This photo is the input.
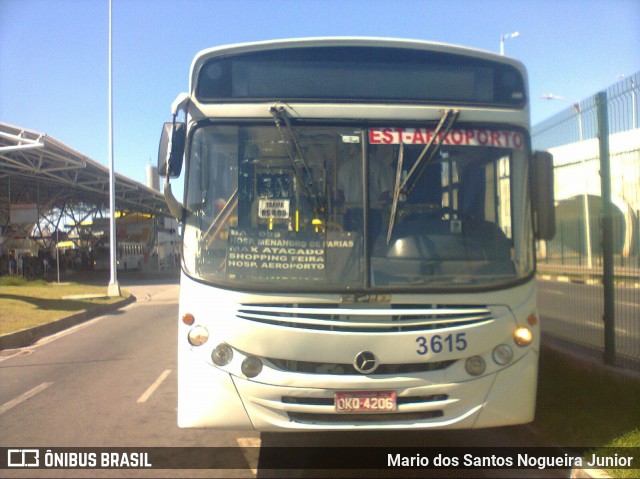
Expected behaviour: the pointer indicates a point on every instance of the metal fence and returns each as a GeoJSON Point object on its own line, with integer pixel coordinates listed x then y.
{"type": "Point", "coordinates": [589, 274]}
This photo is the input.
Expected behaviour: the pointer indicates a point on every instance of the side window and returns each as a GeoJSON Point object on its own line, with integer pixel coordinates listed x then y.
{"type": "Point", "coordinates": [504, 196]}
{"type": "Point", "coordinates": [213, 173]}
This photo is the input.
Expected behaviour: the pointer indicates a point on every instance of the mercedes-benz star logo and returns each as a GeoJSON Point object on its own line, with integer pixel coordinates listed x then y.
{"type": "Point", "coordinates": [365, 362]}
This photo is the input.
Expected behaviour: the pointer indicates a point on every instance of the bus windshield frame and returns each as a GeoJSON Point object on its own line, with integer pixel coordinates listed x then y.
{"type": "Point", "coordinates": [253, 225]}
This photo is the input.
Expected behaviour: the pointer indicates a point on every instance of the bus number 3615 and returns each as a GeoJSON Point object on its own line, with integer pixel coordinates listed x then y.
{"type": "Point", "coordinates": [440, 344]}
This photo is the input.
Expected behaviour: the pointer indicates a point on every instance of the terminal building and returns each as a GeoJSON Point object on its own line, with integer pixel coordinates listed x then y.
{"type": "Point", "coordinates": [54, 208]}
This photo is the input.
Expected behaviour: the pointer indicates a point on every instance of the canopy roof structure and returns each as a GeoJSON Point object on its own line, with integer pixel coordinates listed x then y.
{"type": "Point", "coordinates": [37, 169]}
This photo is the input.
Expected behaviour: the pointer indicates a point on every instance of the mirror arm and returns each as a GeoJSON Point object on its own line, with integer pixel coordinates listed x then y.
{"type": "Point", "coordinates": [180, 103]}
{"type": "Point", "coordinates": [175, 207]}
{"type": "Point", "coordinates": [170, 147]}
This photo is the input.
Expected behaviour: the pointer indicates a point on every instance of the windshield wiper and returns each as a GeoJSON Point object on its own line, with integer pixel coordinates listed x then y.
{"type": "Point", "coordinates": [406, 186]}
{"type": "Point", "coordinates": [222, 218]}
{"type": "Point", "coordinates": [298, 162]}
{"type": "Point", "coordinates": [396, 192]}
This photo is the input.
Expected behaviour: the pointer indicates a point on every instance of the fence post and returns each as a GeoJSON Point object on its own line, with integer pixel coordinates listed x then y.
{"type": "Point", "coordinates": [607, 231]}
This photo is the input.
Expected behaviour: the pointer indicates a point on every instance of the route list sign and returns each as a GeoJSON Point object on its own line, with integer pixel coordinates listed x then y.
{"type": "Point", "coordinates": [261, 254]}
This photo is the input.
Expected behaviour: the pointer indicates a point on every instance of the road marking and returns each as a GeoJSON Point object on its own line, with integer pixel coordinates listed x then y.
{"type": "Point", "coordinates": [65, 332]}
{"type": "Point", "coordinates": [147, 394]}
{"type": "Point", "coordinates": [11, 353]}
{"type": "Point", "coordinates": [249, 441]}
{"type": "Point", "coordinates": [23, 397]}
{"type": "Point", "coordinates": [252, 455]}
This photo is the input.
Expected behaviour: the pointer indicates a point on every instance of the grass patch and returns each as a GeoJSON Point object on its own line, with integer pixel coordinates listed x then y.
{"type": "Point", "coordinates": [583, 405]}
{"type": "Point", "coordinates": [620, 446]}
{"type": "Point", "coordinates": [25, 304]}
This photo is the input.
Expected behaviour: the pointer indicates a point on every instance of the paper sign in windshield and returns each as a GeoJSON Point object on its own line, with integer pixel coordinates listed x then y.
{"type": "Point", "coordinates": [462, 137]}
{"type": "Point", "coordinates": [270, 208]}
{"type": "Point", "coordinates": [286, 255]}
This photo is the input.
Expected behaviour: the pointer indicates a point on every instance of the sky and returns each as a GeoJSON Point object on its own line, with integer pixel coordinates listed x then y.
{"type": "Point", "coordinates": [54, 54]}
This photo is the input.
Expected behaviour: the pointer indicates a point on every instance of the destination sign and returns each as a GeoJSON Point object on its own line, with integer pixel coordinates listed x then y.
{"type": "Point", "coordinates": [461, 137]}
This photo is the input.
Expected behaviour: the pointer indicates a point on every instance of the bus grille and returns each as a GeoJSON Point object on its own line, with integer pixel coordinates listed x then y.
{"type": "Point", "coordinates": [348, 318]}
{"type": "Point", "coordinates": [313, 401]}
{"type": "Point", "coordinates": [427, 401]}
{"type": "Point", "coordinates": [309, 367]}
{"type": "Point", "coordinates": [397, 417]}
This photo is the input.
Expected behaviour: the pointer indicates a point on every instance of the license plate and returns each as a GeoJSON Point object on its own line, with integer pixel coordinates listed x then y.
{"type": "Point", "coordinates": [365, 401]}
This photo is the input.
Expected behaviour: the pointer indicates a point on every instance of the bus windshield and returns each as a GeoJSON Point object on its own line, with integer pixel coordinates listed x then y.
{"type": "Point", "coordinates": [308, 208]}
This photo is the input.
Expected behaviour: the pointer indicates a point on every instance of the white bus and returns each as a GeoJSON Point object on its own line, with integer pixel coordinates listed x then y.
{"type": "Point", "coordinates": [359, 220]}
{"type": "Point", "coordinates": [129, 255]}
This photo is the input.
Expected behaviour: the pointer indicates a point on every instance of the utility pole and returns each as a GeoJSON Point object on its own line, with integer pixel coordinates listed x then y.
{"type": "Point", "coordinates": [607, 232]}
{"type": "Point", "coordinates": [113, 288]}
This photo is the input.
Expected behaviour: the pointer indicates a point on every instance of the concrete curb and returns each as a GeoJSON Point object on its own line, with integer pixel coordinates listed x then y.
{"type": "Point", "coordinates": [589, 474]}
{"type": "Point", "coordinates": [27, 337]}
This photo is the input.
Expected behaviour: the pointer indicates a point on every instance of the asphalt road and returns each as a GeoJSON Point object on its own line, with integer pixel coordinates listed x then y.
{"type": "Point", "coordinates": [111, 382]}
{"type": "Point", "coordinates": [574, 311]}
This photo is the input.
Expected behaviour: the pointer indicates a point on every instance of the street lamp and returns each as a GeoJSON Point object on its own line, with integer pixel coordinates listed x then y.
{"type": "Point", "coordinates": [574, 105]}
{"type": "Point", "coordinates": [113, 289]}
{"type": "Point", "coordinates": [585, 196]}
{"type": "Point", "coordinates": [504, 37]}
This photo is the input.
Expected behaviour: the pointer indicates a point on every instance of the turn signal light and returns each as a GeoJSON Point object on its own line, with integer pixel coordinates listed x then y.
{"type": "Point", "coordinates": [188, 319]}
{"type": "Point", "coordinates": [523, 336]}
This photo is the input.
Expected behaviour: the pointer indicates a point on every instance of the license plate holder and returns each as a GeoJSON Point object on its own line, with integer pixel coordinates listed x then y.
{"type": "Point", "coordinates": [365, 402]}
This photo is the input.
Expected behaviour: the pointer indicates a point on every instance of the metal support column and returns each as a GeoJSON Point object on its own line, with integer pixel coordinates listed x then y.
{"type": "Point", "coordinates": [607, 231]}
{"type": "Point", "coordinates": [114, 288]}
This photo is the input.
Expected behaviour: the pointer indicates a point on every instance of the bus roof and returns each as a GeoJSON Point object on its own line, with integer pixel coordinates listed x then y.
{"type": "Point", "coordinates": [241, 48]}
{"type": "Point", "coordinates": [203, 104]}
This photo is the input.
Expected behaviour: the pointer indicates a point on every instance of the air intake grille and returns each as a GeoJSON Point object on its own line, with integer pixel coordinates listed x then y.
{"type": "Point", "coordinates": [398, 417]}
{"type": "Point", "coordinates": [311, 401]}
{"type": "Point", "coordinates": [308, 367]}
{"type": "Point", "coordinates": [339, 317]}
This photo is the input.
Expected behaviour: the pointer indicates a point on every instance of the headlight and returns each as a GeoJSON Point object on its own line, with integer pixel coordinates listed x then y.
{"type": "Point", "coordinates": [198, 335]}
{"type": "Point", "coordinates": [502, 354]}
{"type": "Point", "coordinates": [523, 336]}
{"type": "Point", "coordinates": [251, 367]}
{"type": "Point", "coordinates": [475, 366]}
{"type": "Point", "coordinates": [222, 354]}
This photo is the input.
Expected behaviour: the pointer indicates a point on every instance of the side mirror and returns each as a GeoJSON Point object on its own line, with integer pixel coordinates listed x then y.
{"type": "Point", "coordinates": [542, 195]}
{"type": "Point", "coordinates": [171, 149]}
